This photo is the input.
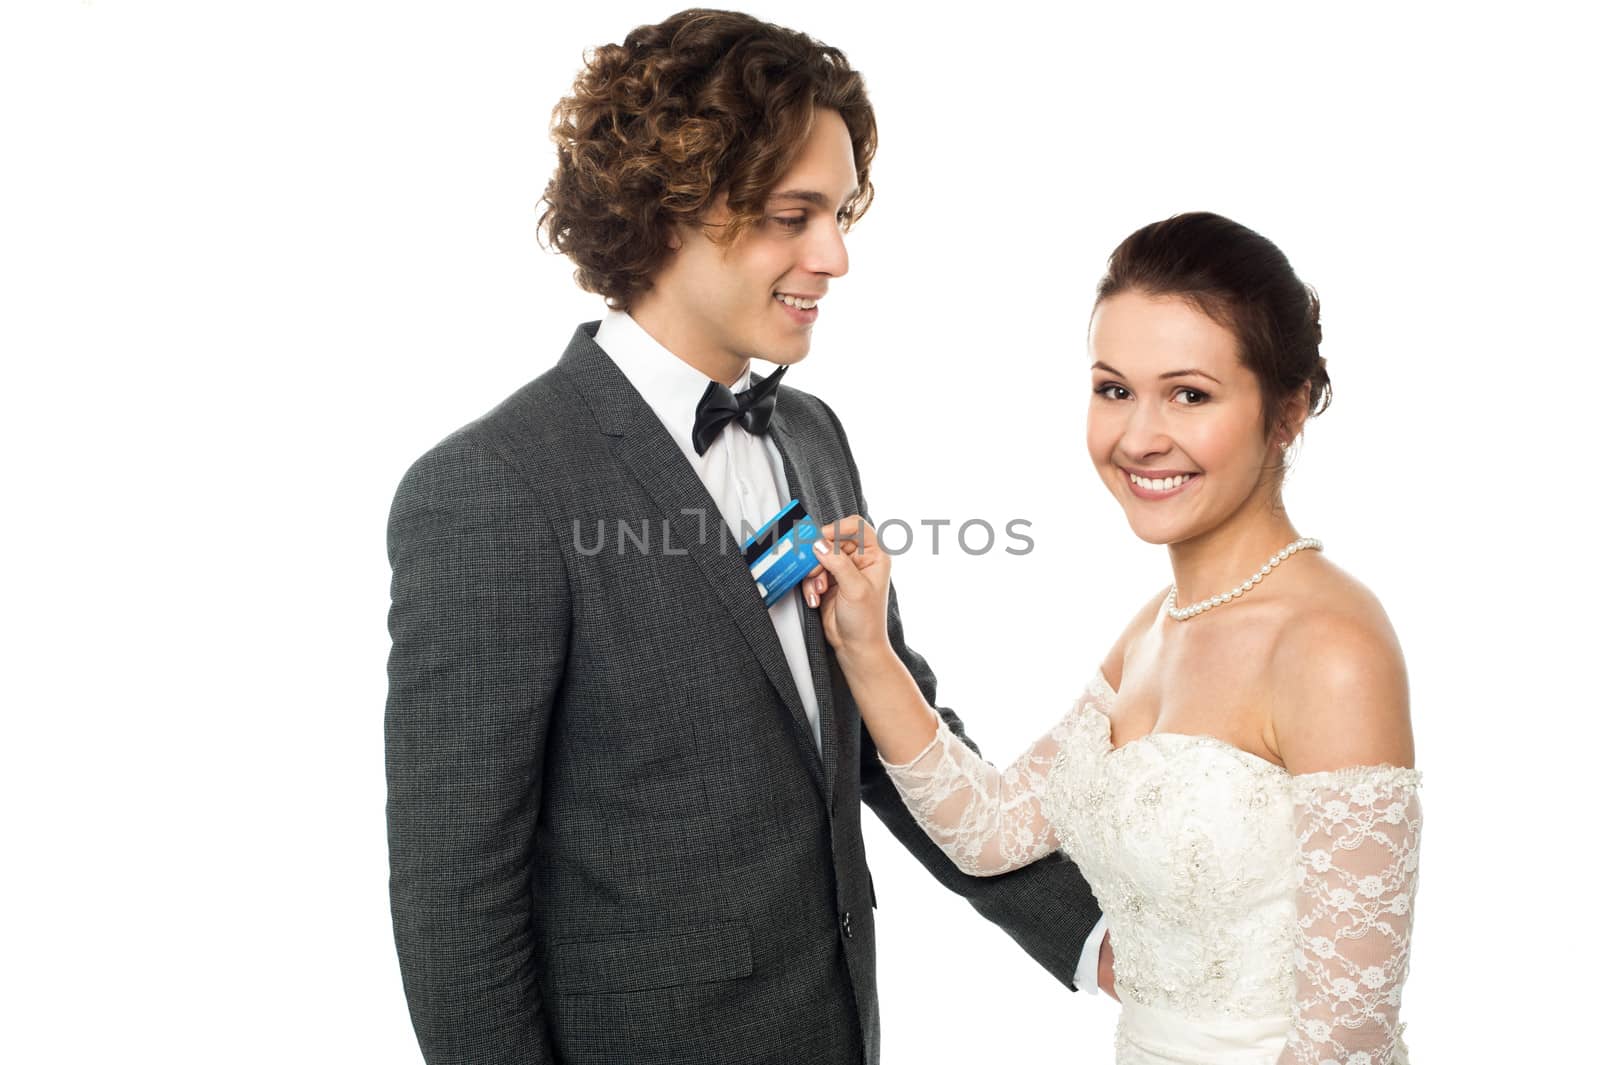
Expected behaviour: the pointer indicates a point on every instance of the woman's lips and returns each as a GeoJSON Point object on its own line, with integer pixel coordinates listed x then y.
{"type": "Point", "coordinates": [1156, 494]}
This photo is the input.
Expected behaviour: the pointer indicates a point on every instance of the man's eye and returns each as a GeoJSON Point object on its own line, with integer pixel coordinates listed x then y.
{"type": "Point", "coordinates": [790, 221]}
{"type": "Point", "coordinates": [1112, 390]}
{"type": "Point", "coordinates": [1199, 396]}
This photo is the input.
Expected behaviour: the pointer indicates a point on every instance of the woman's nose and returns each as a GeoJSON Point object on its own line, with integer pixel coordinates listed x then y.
{"type": "Point", "coordinates": [1145, 432]}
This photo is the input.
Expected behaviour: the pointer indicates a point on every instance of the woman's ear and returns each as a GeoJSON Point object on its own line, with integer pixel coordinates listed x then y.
{"type": "Point", "coordinates": [1295, 413]}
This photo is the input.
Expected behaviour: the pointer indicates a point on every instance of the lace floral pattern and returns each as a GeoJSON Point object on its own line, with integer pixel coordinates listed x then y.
{"type": "Point", "coordinates": [988, 822]}
{"type": "Point", "coordinates": [1357, 832]}
{"type": "Point", "coordinates": [1240, 899]}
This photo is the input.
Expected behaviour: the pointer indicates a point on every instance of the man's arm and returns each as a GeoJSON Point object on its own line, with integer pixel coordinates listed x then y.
{"type": "Point", "coordinates": [1046, 906]}
{"type": "Point", "coordinates": [478, 618]}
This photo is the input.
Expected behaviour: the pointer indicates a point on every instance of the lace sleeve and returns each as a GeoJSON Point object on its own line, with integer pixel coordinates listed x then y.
{"type": "Point", "coordinates": [989, 822]}
{"type": "Point", "coordinates": [1358, 832]}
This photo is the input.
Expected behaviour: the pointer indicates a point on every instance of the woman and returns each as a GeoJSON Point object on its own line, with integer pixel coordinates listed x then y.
{"type": "Point", "coordinates": [1236, 781]}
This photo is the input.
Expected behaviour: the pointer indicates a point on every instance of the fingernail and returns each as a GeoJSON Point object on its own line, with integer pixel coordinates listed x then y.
{"type": "Point", "coordinates": [811, 598]}
{"type": "Point", "coordinates": [821, 548]}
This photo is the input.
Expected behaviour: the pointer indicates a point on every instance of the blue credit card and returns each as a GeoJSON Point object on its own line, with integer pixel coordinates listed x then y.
{"type": "Point", "coordinates": [779, 554]}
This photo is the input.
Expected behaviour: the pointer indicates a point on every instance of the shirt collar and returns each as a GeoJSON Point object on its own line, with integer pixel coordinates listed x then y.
{"type": "Point", "coordinates": [671, 387]}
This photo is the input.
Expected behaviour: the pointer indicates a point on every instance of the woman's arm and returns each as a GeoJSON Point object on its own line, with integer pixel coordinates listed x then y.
{"type": "Point", "coordinates": [1345, 735]}
{"type": "Point", "coordinates": [987, 821]}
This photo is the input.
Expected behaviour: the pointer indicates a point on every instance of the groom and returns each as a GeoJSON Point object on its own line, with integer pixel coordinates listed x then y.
{"type": "Point", "coordinates": [624, 795]}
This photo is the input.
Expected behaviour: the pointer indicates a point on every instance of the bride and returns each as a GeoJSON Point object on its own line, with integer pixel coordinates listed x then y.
{"type": "Point", "coordinates": [1236, 780]}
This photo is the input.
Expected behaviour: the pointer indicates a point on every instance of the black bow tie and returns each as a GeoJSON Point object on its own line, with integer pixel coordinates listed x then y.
{"type": "Point", "coordinates": [719, 405]}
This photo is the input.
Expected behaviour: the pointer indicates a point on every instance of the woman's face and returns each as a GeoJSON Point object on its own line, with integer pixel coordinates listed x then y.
{"type": "Point", "coordinates": [1174, 417]}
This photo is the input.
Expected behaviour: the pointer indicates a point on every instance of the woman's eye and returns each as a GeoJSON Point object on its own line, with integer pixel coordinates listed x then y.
{"type": "Point", "coordinates": [790, 221]}
{"type": "Point", "coordinates": [1112, 390]}
{"type": "Point", "coordinates": [1197, 396]}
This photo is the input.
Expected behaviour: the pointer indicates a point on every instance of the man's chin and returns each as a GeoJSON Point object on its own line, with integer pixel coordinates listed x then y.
{"type": "Point", "coordinates": [786, 358]}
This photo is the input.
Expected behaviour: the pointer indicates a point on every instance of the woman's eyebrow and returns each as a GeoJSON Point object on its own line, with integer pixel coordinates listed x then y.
{"type": "Point", "coordinates": [1186, 373]}
{"type": "Point", "coordinates": [1170, 373]}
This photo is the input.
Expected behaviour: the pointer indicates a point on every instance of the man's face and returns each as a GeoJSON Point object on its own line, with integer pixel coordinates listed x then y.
{"type": "Point", "coordinates": [716, 306]}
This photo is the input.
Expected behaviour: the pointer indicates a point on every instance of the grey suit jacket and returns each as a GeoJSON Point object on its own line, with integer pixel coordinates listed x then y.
{"type": "Point", "coordinates": [612, 837]}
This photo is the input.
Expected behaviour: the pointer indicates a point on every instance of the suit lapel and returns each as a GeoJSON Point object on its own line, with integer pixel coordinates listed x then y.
{"type": "Point", "coordinates": [691, 515]}
{"type": "Point", "coordinates": [797, 470]}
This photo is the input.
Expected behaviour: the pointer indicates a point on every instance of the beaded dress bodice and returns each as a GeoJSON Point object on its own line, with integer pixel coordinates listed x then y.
{"type": "Point", "coordinates": [1189, 844]}
{"type": "Point", "coordinates": [1256, 916]}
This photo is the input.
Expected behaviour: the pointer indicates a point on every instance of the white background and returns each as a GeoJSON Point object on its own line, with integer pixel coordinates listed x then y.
{"type": "Point", "coordinates": [256, 258]}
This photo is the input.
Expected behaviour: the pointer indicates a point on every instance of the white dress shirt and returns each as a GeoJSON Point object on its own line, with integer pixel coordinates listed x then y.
{"type": "Point", "coordinates": [744, 474]}
{"type": "Point", "coordinates": [742, 471]}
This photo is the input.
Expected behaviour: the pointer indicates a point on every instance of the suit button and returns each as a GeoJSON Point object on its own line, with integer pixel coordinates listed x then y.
{"type": "Point", "coordinates": [844, 924]}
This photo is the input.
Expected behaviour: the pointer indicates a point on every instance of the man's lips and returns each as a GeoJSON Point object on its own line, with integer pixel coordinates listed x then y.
{"type": "Point", "coordinates": [803, 315]}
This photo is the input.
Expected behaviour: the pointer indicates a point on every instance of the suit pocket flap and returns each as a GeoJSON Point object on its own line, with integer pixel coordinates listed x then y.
{"type": "Point", "coordinates": [637, 961]}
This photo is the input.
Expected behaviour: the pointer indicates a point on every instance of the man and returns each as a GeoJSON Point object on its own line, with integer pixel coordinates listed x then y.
{"type": "Point", "coordinates": [624, 795]}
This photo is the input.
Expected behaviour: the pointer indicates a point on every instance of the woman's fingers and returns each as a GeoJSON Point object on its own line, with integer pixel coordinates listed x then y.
{"type": "Point", "coordinates": [847, 552]}
{"type": "Point", "coordinates": [815, 586]}
{"type": "Point", "coordinates": [842, 570]}
{"type": "Point", "coordinates": [851, 534]}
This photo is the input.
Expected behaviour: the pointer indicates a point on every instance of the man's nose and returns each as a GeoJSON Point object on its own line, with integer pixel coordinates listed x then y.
{"type": "Point", "coordinates": [826, 252]}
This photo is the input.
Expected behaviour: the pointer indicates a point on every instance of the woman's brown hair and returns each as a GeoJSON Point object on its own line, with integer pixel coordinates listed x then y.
{"type": "Point", "coordinates": [1243, 282]}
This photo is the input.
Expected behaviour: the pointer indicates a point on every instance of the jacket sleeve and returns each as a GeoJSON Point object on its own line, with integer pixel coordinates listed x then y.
{"type": "Point", "coordinates": [1046, 906]}
{"type": "Point", "coordinates": [478, 618]}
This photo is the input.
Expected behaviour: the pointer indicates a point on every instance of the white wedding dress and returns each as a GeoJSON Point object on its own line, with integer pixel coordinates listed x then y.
{"type": "Point", "coordinates": [1257, 917]}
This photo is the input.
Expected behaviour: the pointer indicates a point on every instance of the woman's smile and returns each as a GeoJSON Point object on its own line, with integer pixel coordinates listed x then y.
{"type": "Point", "coordinates": [1160, 484]}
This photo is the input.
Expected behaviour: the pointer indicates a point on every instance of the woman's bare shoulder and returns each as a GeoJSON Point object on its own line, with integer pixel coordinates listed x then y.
{"type": "Point", "coordinates": [1141, 624]}
{"type": "Point", "coordinates": [1342, 695]}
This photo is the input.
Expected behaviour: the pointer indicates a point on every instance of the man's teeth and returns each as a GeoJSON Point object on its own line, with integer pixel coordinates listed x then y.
{"type": "Point", "coordinates": [1164, 484]}
{"type": "Point", "coordinates": [796, 302]}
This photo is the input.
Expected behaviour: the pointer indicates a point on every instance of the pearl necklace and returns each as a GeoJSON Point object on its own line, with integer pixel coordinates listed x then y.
{"type": "Point", "coordinates": [1227, 597]}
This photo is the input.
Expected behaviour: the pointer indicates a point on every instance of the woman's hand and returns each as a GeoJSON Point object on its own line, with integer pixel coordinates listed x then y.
{"type": "Point", "coordinates": [855, 589]}
{"type": "Point", "coordinates": [1108, 969]}
{"type": "Point", "coordinates": [855, 617]}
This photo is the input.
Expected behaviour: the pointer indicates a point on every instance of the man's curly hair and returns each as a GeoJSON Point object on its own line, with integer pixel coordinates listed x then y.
{"type": "Point", "coordinates": [657, 127]}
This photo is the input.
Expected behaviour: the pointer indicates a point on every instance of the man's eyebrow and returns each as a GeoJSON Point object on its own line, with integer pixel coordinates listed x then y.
{"type": "Point", "coordinates": [810, 196]}
{"type": "Point", "coordinates": [1163, 377]}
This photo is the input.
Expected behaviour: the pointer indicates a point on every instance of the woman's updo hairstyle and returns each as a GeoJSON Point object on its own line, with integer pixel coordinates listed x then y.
{"type": "Point", "coordinates": [1241, 281]}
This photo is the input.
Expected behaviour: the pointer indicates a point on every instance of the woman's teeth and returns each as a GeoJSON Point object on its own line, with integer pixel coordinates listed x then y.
{"type": "Point", "coordinates": [796, 302]}
{"type": "Point", "coordinates": [1164, 484]}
